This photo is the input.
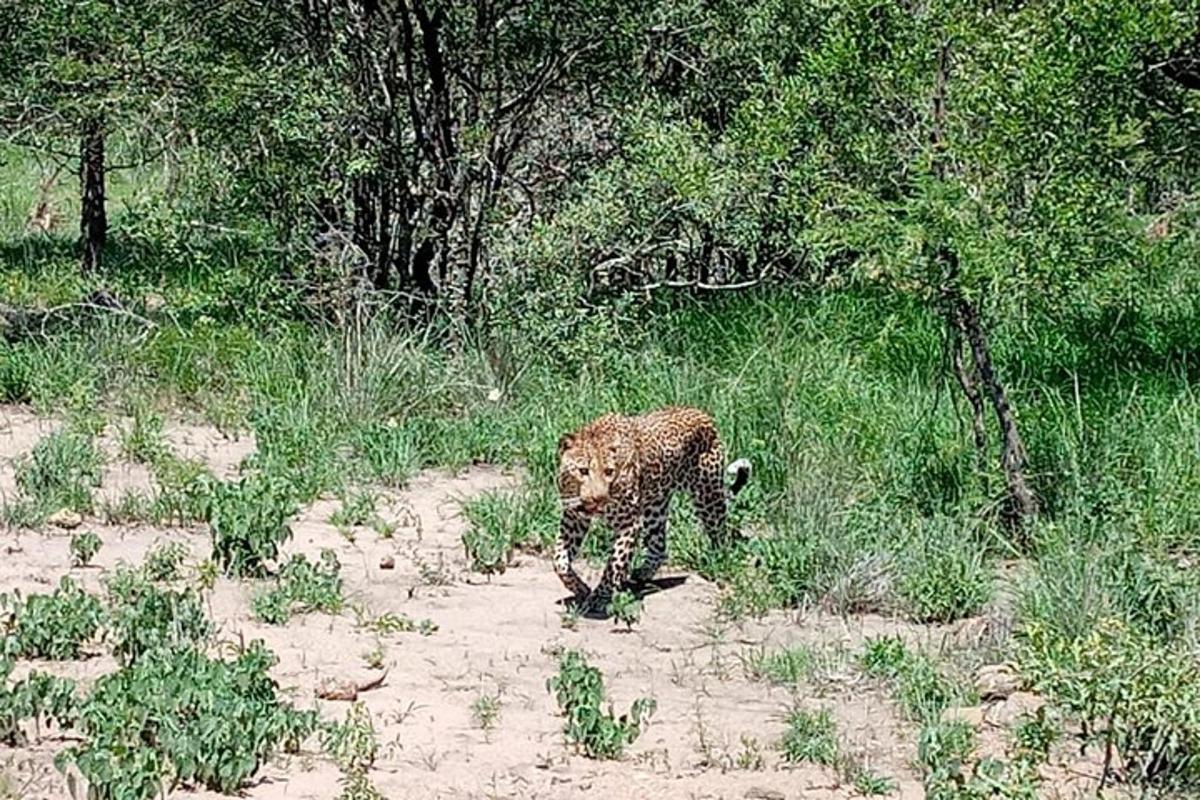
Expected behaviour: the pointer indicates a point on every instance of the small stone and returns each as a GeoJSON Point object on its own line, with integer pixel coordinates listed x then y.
{"type": "Point", "coordinates": [65, 518]}
{"type": "Point", "coordinates": [996, 681]}
{"type": "Point", "coordinates": [1008, 711]}
{"type": "Point", "coordinates": [154, 302]}
{"type": "Point", "coordinates": [387, 562]}
{"type": "Point", "coordinates": [972, 715]}
{"type": "Point", "coordinates": [759, 793]}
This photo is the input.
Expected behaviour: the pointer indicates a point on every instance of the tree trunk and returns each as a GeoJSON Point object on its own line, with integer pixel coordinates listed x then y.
{"type": "Point", "coordinates": [93, 219]}
{"type": "Point", "coordinates": [968, 381]}
{"type": "Point", "coordinates": [1020, 505]}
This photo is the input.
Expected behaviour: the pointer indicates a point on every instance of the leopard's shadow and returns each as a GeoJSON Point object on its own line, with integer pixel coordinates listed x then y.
{"type": "Point", "coordinates": [640, 591]}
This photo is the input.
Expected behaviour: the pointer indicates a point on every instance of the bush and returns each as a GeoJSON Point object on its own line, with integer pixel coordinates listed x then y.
{"type": "Point", "coordinates": [579, 689]}
{"type": "Point", "coordinates": [181, 715]}
{"type": "Point", "coordinates": [922, 691]}
{"type": "Point", "coordinates": [1135, 694]}
{"type": "Point", "coordinates": [943, 574]}
{"type": "Point", "coordinates": [61, 472]}
{"type": "Point", "coordinates": [302, 586]}
{"type": "Point", "coordinates": [144, 617]}
{"type": "Point", "coordinates": [54, 626]}
{"type": "Point", "coordinates": [810, 737]}
{"type": "Point", "coordinates": [500, 522]}
{"type": "Point", "coordinates": [36, 696]}
{"type": "Point", "coordinates": [248, 519]}
{"type": "Point", "coordinates": [84, 547]}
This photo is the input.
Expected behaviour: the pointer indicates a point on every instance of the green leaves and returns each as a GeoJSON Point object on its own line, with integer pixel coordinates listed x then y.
{"type": "Point", "coordinates": [142, 723]}
{"type": "Point", "coordinates": [302, 586]}
{"type": "Point", "coordinates": [54, 626]}
{"type": "Point", "coordinates": [579, 689]}
{"type": "Point", "coordinates": [248, 519]}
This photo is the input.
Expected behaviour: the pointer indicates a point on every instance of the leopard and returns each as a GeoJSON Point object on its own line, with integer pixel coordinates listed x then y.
{"type": "Point", "coordinates": [625, 470]}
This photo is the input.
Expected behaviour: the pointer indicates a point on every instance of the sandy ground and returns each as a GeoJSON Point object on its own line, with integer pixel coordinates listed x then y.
{"type": "Point", "coordinates": [498, 637]}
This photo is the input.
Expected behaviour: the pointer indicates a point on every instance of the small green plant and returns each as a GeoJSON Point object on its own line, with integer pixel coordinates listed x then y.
{"type": "Point", "coordinates": [138, 724]}
{"type": "Point", "coordinates": [37, 696]}
{"type": "Point", "coordinates": [579, 689]}
{"type": "Point", "coordinates": [946, 751]}
{"type": "Point", "coordinates": [357, 508]}
{"type": "Point", "coordinates": [1034, 735]}
{"type": "Point", "coordinates": [143, 441]}
{"type": "Point", "coordinates": [248, 519]}
{"type": "Point", "coordinates": [383, 529]}
{"type": "Point", "coordinates": [206, 574]}
{"type": "Point", "coordinates": [164, 560]}
{"type": "Point", "coordinates": [943, 746]}
{"type": "Point", "coordinates": [502, 522]}
{"type": "Point", "coordinates": [884, 657]}
{"type": "Point", "coordinates": [786, 667]}
{"type": "Point", "coordinates": [625, 608]}
{"type": "Point", "coordinates": [872, 784]}
{"type": "Point", "coordinates": [390, 622]}
{"type": "Point", "coordinates": [921, 689]}
{"type": "Point", "coordinates": [54, 626]}
{"type": "Point", "coordinates": [810, 737]}
{"type": "Point", "coordinates": [943, 575]}
{"type": "Point", "coordinates": [353, 746]}
{"type": "Point", "coordinates": [144, 617]}
{"type": "Point", "coordinates": [750, 757]}
{"type": "Point", "coordinates": [486, 711]}
{"type": "Point", "coordinates": [84, 547]}
{"type": "Point", "coordinates": [388, 453]}
{"type": "Point", "coordinates": [60, 473]}
{"type": "Point", "coordinates": [302, 587]}
{"type": "Point", "coordinates": [569, 617]}
{"type": "Point", "coordinates": [374, 658]}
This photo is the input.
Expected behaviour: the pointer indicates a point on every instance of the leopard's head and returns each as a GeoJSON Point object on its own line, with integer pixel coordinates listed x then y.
{"type": "Point", "coordinates": [592, 468]}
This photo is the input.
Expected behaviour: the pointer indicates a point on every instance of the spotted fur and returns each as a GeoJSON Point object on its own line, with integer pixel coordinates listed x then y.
{"type": "Point", "coordinates": [625, 470]}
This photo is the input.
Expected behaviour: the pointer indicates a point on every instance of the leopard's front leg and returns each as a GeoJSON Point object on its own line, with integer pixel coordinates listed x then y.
{"type": "Point", "coordinates": [628, 532]}
{"type": "Point", "coordinates": [573, 527]}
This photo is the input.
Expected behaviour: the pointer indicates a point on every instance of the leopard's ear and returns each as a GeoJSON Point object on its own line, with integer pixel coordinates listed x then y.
{"type": "Point", "coordinates": [565, 441]}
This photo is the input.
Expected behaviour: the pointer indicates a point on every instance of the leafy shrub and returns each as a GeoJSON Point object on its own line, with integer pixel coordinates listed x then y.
{"type": "Point", "coordinates": [144, 617]}
{"type": "Point", "coordinates": [357, 509]}
{"type": "Point", "coordinates": [884, 657]}
{"type": "Point", "coordinates": [579, 689]}
{"type": "Point", "coordinates": [248, 519]}
{"type": "Point", "coordinates": [163, 561]}
{"type": "Point", "coordinates": [810, 737]}
{"type": "Point", "coordinates": [61, 472]}
{"type": "Point", "coordinates": [36, 696]}
{"type": "Point", "coordinates": [84, 547]}
{"type": "Point", "coordinates": [353, 746]}
{"type": "Point", "coordinates": [1137, 695]}
{"type": "Point", "coordinates": [390, 622]}
{"type": "Point", "coordinates": [143, 442]}
{"type": "Point", "coordinates": [943, 575]}
{"type": "Point", "coordinates": [388, 453]}
{"type": "Point", "coordinates": [303, 587]}
{"type": "Point", "coordinates": [53, 626]}
{"type": "Point", "coordinates": [946, 751]}
{"type": "Point", "coordinates": [181, 715]}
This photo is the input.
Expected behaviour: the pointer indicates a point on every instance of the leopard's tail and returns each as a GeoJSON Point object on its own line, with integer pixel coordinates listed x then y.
{"type": "Point", "coordinates": [740, 470]}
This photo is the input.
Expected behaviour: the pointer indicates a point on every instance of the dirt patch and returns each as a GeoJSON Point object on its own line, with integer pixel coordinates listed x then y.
{"type": "Point", "coordinates": [494, 637]}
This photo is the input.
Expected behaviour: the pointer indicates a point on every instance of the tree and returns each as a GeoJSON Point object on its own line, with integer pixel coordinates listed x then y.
{"type": "Point", "coordinates": [98, 73]}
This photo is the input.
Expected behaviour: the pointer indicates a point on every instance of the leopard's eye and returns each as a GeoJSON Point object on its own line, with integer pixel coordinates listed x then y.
{"type": "Point", "coordinates": [609, 472]}
{"type": "Point", "coordinates": [583, 471]}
